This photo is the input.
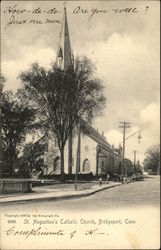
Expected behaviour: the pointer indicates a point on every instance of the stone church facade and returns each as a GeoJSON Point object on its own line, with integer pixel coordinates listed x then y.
{"type": "Point", "coordinates": [96, 156]}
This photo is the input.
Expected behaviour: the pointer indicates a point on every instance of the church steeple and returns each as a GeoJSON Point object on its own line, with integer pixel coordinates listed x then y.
{"type": "Point", "coordinates": [64, 54]}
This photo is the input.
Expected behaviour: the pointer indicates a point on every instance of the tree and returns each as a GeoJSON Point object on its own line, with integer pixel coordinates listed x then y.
{"type": "Point", "coordinates": [129, 167]}
{"type": "Point", "coordinates": [16, 121]}
{"type": "Point", "coordinates": [27, 161]}
{"type": "Point", "coordinates": [138, 168]}
{"type": "Point", "coordinates": [31, 155]}
{"type": "Point", "coordinates": [2, 81]}
{"type": "Point", "coordinates": [152, 159]}
{"type": "Point", "coordinates": [62, 97]}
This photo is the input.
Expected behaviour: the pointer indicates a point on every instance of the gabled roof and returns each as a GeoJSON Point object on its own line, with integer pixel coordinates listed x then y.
{"type": "Point", "coordinates": [93, 134]}
{"type": "Point", "coordinates": [97, 137]}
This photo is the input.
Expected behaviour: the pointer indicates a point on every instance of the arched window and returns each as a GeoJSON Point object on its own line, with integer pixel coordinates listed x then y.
{"type": "Point", "coordinates": [86, 166]}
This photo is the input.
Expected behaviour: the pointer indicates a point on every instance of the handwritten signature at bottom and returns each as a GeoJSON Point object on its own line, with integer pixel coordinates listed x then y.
{"type": "Point", "coordinates": [44, 232]}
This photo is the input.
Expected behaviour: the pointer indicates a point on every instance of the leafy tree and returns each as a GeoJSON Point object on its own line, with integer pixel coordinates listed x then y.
{"type": "Point", "coordinates": [129, 167]}
{"type": "Point", "coordinates": [138, 168]}
{"type": "Point", "coordinates": [16, 121]}
{"type": "Point", "coordinates": [62, 97]}
{"type": "Point", "coordinates": [30, 159]}
{"type": "Point", "coordinates": [2, 81]}
{"type": "Point", "coordinates": [27, 161]}
{"type": "Point", "coordinates": [152, 159]}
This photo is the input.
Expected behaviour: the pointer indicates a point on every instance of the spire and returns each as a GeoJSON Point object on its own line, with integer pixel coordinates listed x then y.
{"type": "Point", "coordinates": [64, 54]}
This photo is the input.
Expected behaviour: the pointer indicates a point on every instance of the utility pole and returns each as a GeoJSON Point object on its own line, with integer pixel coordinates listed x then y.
{"type": "Point", "coordinates": [124, 125]}
{"type": "Point", "coordinates": [78, 155]}
{"type": "Point", "coordinates": [135, 157]}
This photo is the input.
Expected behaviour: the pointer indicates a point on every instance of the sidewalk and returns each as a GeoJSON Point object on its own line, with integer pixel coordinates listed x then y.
{"type": "Point", "coordinates": [58, 192]}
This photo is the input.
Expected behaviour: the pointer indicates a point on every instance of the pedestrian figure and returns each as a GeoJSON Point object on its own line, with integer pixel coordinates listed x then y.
{"type": "Point", "coordinates": [108, 178]}
{"type": "Point", "coordinates": [124, 179]}
{"type": "Point", "coordinates": [100, 181]}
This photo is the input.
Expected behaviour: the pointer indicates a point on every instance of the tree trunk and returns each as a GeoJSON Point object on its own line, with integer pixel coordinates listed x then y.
{"type": "Point", "coordinates": [70, 153]}
{"type": "Point", "coordinates": [62, 163]}
{"type": "Point", "coordinates": [10, 160]}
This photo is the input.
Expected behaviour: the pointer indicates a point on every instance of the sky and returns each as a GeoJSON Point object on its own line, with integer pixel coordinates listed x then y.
{"type": "Point", "coordinates": [122, 39]}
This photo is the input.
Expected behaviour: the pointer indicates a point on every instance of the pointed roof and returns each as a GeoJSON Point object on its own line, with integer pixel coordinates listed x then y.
{"type": "Point", "coordinates": [64, 54]}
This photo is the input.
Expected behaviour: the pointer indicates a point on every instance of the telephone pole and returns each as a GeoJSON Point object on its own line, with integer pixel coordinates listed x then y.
{"type": "Point", "coordinates": [124, 125]}
{"type": "Point", "coordinates": [135, 157]}
{"type": "Point", "coordinates": [78, 155]}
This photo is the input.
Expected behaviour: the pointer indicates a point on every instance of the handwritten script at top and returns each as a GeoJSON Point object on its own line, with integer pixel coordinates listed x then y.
{"type": "Point", "coordinates": [17, 15]}
{"type": "Point", "coordinates": [95, 11]}
{"type": "Point", "coordinates": [21, 16]}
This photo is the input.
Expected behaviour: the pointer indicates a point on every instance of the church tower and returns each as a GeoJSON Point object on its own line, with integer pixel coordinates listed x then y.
{"type": "Point", "coordinates": [64, 58]}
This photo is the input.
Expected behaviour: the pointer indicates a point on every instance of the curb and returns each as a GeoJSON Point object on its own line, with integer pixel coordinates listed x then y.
{"type": "Point", "coordinates": [63, 197]}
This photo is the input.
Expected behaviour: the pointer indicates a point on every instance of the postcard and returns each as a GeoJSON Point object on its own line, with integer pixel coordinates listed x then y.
{"type": "Point", "coordinates": [79, 166]}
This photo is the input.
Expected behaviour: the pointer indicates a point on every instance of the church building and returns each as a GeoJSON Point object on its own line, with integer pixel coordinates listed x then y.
{"type": "Point", "coordinates": [96, 156]}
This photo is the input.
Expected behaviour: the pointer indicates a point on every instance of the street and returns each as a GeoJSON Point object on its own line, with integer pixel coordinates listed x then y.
{"type": "Point", "coordinates": [139, 193]}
